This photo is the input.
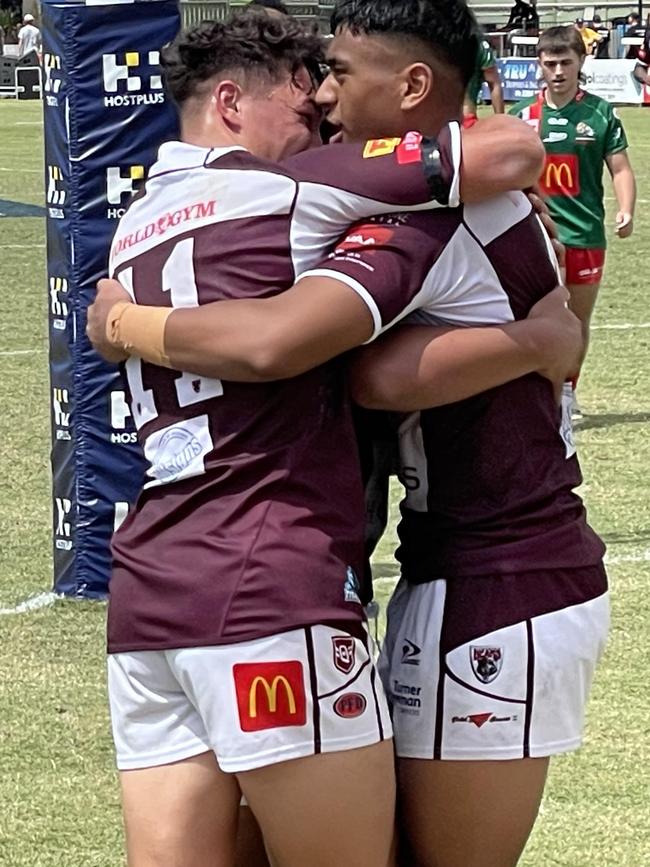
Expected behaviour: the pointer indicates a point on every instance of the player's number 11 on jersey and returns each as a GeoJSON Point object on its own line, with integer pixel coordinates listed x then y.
{"type": "Point", "coordinates": [178, 279]}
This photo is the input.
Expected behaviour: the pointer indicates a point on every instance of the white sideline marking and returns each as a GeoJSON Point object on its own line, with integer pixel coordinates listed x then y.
{"type": "Point", "coordinates": [22, 171]}
{"type": "Point", "coordinates": [643, 557]}
{"type": "Point", "coordinates": [43, 600]}
{"type": "Point", "coordinates": [33, 603]}
{"type": "Point", "coordinates": [620, 326]}
{"type": "Point", "coordinates": [21, 246]}
{"type": "Point", "coordinates": [638, 201]}
{"type": "Point", "coordinates": [613, 326]}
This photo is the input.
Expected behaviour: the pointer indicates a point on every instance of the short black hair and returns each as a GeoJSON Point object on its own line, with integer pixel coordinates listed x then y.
{"type": "Point", "coordinates": [278, 5]}
{"type": "Point", "coordinates": [447, 27]}
{"type": "Point", "coordinates": [250, 43]}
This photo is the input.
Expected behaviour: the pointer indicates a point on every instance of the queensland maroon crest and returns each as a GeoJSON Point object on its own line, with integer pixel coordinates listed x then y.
{"type": "Point", "coordinates": [344, 653]}
{"type": "Point", "coordinates": [486, 662]}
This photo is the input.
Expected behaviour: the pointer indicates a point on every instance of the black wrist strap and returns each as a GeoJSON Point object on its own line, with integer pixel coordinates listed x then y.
{"type": "Point", "coordinates": [437, 162]}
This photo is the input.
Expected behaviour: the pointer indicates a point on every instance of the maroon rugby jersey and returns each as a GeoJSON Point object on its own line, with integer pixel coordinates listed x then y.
{"type": "Point", "coordinates": [251, 521]}
{"type": "Point", "coordinates": [489, 480]}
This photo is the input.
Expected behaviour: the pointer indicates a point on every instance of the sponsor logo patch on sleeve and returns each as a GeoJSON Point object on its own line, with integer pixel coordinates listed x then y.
{"type": "Point", "coordinates": [409, 150]}
{"type": "Point", "coordinates": [379, 147]}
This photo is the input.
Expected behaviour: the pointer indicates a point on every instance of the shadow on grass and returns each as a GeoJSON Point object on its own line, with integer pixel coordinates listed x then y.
{"type": "Point", "coordinates": [593, 422]}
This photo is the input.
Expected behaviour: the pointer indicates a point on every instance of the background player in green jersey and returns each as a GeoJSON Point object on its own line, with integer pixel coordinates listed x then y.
{"type": "Point", "coordinates": [579, 131]}
{"type": "Point", "coordinates": [485, 70]}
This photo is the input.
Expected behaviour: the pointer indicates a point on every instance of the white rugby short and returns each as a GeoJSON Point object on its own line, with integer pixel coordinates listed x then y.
{"type": "Point", "coordinates": [459, 690]}
{"type": "Point", "coordinates": [307, 691]}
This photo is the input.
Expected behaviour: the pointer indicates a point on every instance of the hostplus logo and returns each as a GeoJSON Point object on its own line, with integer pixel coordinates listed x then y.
{"type": "Point", "coordinates": [56, 192]}
{"type": "Point", "coordinates": [121, 184]}
{"type": "Point", "coordinates": [61, 412]}
{"type": "Point", "coordinates": [53, 78]}
{"type": "Point", "coordinates": [132, 79]}
{"type": "Point", "coordinates": [58, 302]}
{"type": "Point", "coordinates": [63, 530]}
{"type": "Point", "coordinates": [120, 412]}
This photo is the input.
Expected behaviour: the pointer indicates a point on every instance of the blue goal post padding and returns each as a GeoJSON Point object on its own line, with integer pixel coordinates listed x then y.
{"type": "Point", "coordinates": [105, 113]}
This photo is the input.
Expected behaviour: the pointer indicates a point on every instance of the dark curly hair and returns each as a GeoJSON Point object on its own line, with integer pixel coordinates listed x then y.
{"type": "Point", "coordinates": [251, 44]}
{"type": "Point", "coordinates": [446, 27]}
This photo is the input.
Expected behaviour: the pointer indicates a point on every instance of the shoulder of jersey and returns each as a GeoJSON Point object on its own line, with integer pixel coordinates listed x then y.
{"type": "Point", "coordinates": [521, 105]}
{"type": "Point", "coordinates": [600, 106]}
{"type": "Point", "coordinates": [594, 101]}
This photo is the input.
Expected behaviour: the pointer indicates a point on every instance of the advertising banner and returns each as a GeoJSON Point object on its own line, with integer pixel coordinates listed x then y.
{"type": "Point", "coordinates": [612, 80]}
{"type": "Point", "coordinates": [519, 77]}
{"type": "Point", "coordinates": [105, 113]}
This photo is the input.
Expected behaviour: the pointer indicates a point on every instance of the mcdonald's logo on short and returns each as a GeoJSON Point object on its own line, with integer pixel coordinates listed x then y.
{"type": "Point", "coordinates": [379, 147]}
{"type": "Point", "coordinates": [270, 695]}
{"type": "Point", "coordinates": [561, 175]}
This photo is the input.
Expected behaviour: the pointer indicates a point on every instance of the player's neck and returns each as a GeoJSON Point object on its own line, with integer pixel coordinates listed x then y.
{"type": "Point", "coordinates": [430, 119]}
{"type": "Point", "coordinates": [559, 100]}
{"type": "Point", "coordinates": [202, 131]}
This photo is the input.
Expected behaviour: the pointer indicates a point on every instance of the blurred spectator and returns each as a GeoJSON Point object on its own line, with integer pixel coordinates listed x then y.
{"type": "Point", "coordinates": [29, 36]}
{"type": "Point", "coordinates": [523, 16]}
{"type": "Point", "coordinates": [634, 28]}
{"type": "Point", "coordinates": [641, 70]}
{"type": "Point", "coordinates": [523, 19]}
{"type": "Point", "coordinates": [602, 49]}
{"type": "Point", "coordinates": [590, 38]}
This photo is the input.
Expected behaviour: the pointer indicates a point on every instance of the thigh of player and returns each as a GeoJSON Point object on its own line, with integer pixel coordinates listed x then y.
{"type": "Point", "coordinates": [584, 274]}
{"type": "Point", "coordinates": [334, 802]}
{"type": "Point", "coordinates": [488, 677]}
{"type": "Point", "coordinates": [311, 695]}
{"type": "Point", "coordinates": [179, 807]}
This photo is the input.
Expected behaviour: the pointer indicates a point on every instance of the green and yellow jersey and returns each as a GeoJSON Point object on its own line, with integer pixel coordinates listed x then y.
{"type": "Point", "coordinates": [577, 138]}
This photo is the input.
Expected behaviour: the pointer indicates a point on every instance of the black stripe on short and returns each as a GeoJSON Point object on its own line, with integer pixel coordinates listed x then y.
{"type": "Point", "coordinates": [313, 682]}
{"type": "Point", "coordinates": [373, 676]}
{"type": "Point", "coordinates": [530, 687]}
{"type": "Point", "coordinates": [440, 689]}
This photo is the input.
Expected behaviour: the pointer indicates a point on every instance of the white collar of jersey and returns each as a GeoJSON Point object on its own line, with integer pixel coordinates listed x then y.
{"type": "Point", "coordinates": [174, 155]}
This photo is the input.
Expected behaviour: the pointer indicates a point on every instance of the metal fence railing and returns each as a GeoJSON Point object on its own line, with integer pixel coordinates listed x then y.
{"type": "Point", "coordinates": [556, 13]}
{"type": "Point", "coordinates": [195, 11]}
{"type": "Point", "coordinates": [495, 14]}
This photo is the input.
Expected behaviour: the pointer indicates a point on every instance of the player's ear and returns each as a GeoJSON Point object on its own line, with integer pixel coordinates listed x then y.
{"type": "Point", "coordinates": [226, 101]}
{"type": "Point", "coordinates": [416, 84]}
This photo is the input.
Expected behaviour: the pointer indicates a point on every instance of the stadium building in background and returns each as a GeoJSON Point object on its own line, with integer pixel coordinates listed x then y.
{"type": "Point", "coordinates": [195, 11]}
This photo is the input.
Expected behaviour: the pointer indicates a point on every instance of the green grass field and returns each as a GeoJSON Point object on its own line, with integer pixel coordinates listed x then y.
{"type": "Point", "coordinates": [58, 792]}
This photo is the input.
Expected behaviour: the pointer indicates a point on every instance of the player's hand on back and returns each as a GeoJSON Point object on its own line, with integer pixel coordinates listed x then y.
{"type": "Point", "coordinates": [109, 293]}
{"type": "Point", "coordinates": [560, 338]}
{"type": "Point", "coordinates": [624, 224]}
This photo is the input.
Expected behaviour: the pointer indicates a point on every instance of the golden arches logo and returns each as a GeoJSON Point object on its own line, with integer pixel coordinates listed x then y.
{"type": "Point", "coordinates": [561, 173]}
{"type": "Point", "coordinates": [271, 692]}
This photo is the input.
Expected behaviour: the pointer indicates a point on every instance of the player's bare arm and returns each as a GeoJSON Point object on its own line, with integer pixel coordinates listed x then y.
{"type": "Point", "coordinates": [416, 367]}
{"type": "Point", "coordinates": [625, 191]}
{"type": "Point", "coordinates": [276, 338]}
{"type": "Point", "coordinates": [499, 156]}
{"type": "Point", "coordinates": [491, 77]}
